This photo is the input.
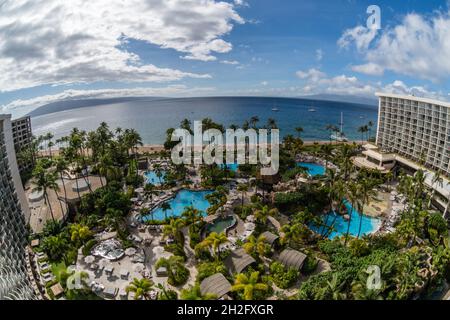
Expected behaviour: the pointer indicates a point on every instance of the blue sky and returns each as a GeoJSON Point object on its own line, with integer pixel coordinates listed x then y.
{"type": "Point", "coordinates": [53, 50]}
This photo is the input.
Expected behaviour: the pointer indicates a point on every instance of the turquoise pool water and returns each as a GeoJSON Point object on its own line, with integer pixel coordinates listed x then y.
{"type": "Point", "coordinates": [369, 224]}
{"type": "Point", "coordinates": [220, 225]}
{"type": "Point", "coordinates": [182, 200]}
{"type": "Point", "coordinates": [231, 166]}
{"type": "Point", "coordinates": [313, 168]}
{"type": "Point", "coordinates": [153, 178]}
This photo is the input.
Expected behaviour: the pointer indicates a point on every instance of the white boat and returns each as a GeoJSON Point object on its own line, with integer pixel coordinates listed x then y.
{"type": "Point", "coordinates": [311, 110]}
{"type": "Point", "coordinates": [275, 109]}
{"type": "Point", "coordinates": [340, 136]}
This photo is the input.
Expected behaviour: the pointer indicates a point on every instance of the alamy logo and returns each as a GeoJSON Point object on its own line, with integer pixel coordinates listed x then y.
{"type": "Point", "coordinates": [374, 278]}
{"type": "Point", "coordinates": [374, 20]}
{"type": "Point", "coordinates": [235, 146]}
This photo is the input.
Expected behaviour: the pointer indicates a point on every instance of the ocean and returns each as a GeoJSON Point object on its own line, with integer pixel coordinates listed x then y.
{"type": "Point", "coordinates": [153, 117]}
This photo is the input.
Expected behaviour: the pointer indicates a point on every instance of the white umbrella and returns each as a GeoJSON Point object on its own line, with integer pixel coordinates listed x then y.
{"type": "Point", "coordinates": [138, 267]}
{"type": "Point", "coordinates": [89, 259]}
{"type": "Point", "coordinates": [103, 262]}
{"type": "Point", "coordinates": [130, 251]}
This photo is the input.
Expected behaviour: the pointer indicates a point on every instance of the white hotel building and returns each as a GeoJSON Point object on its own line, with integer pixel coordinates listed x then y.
{"type": "Point", "coordinates": [14, 216]}
{"type": "Point", "coordinates": [412, 131]}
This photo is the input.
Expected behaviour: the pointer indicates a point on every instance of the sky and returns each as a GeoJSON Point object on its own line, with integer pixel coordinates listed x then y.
{"type": "Point", "coordinates": [53, 50]}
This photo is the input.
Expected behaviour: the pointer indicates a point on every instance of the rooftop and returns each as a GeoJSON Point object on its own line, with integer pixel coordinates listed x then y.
{"type": "Point", "coordinates": [238, 260]}
{"type": "Point", "coordinates": [216, 284]}
{"type": "Point", "coordinates": [414, 98]}
{"type": "Point", "coordinates": [292, 258]}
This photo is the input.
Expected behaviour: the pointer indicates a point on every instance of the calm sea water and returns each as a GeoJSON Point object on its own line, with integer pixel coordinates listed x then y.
{"type": "Point", "coordinates": [152, 118]}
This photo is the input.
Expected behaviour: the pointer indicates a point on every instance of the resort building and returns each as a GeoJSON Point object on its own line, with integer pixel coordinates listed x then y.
{"type": "Point", "coordinates": [22, 137]}
{"type": "Point", "coordinates": [14, 215]}
{"type": "Point", "coordinates": [413, 133]}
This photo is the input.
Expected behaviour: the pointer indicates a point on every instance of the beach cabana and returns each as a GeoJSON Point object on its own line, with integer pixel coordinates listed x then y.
{"type": "Point", "coordinates": [238, 260]}
{"type": "Point", "coordinates": [216, 285]}
{"type": "Point", "coordinates": [270, 238]}
{"type": "Point", "coordinates": [292, 259]}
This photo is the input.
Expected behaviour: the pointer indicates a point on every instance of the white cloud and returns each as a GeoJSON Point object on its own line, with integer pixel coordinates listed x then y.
{"type": "Point", "coordinates": [370, 68]}
{"type": "Point", "coordinates": [264, 83]}
{"type": "Point", "coordinates": [59, 42]}
{"type": "Point", "coordinates": [231, 62]}
{"type": "Point", "coordinates": [241, 3]}
{"type": "Point", "coordinates": [311, 74]}
{"type": "Point", "coordinates": [319, 55]}
{"type": "Point", "coordinates": [71, 94]}
{"type": "Point", "coordinates": [418, 46]}
{"type": "Point", "coordinates": [317, 82]}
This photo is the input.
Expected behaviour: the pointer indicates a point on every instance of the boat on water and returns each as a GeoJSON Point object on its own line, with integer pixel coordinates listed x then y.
{"type": "Point", "coordinates": [311, 110]}
{"type": "Point", "coordinates": [275, 109]}
{"type": "Point", "coordinates": [340, 135]}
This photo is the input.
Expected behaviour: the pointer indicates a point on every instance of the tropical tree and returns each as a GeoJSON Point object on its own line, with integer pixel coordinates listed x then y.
{"type": "Point", "coordinates": [243, 189]}
{"type": "Point", "coordinates": [45, 180]}
{"type": "Point", "coordinates": [248, 285]}
{"type": "Point", "coordinates": [257, 246]}
{"type": "Point", "coordinates": [436, 181]}
{"type": "Point", "coordinates": [213, 241]}
{"type": "Point", "coordinates": [140, 287]}
{"type": "Point", "coordinates": [165, 206]}
{"type": "Point", "coordinates": [299, 131]}
{"type": "Point", "coordinates": [175, 265]}
{"type": "Point", "coordinates": [253, 121]}
{"type": "Point", "coordinates": [173, 230]}
{"type": "Point", "coordinates": [192, 216]}
{"type": "Point", "coordinates": [263, 213]}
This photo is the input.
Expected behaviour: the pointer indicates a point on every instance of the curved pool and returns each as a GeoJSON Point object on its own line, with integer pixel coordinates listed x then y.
{"type": "Point", "coordinates": [154, 179]}
{"type": "Point", "coordinates": [183, 199]}
{"type": "Point", "coordinates": [313, 169]}
{"type": "Point", "coordinates": [369, 225]}
{"type": "Point", "coordinates": [221, 225]}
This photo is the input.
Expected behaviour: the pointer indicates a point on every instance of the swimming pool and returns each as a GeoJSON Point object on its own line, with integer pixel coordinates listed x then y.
{"type": "Point", "coordinates": [221, 225]}
{"type": "Point", "coordinates": [154, 179]}
{"type": "Point", "coordinates": [231, 166]}
{"type": "Point", "coordinates": [313, 169]}
{"type": "Point", "coordinates": [369, 224]}
{"type": "Point", "coordinates": [182, 200]}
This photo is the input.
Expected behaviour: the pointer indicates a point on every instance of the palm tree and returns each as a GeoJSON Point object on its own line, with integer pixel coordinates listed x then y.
{"type": "Point", "coordinates": [140, 287]}
{"type": "Point", "coordinates": [331, 128]}
{"type": "Point", "coordinates": [165, 206]}
{"type": "Point", "coordinates": [362, 130]}
{"type": "Point", "coordinates": [272, 124]}
{"type": "Point", "coordinates": [186, 125]}
{"type": "Point", "coordinates": [248, 285]}
{"type": "Point", "coordinates": [149, 190]}
{"type": "Point", "coordinates": [45, 181]}
{"type": "Point", "coordinates": [243, 188]}
{"type": "Point", "coordinates": [299, 131]}
{"type": "Point", "coordinates": [437, 181]}
{"type": "Point", "coordinates": [262, 214]}
{"type": "Point", "coordinates": [369, 128]}
{"type": "Point", "coordinates": [256, 246]}
{"type": "Point", "coordinates": [253, 121]}
{"type": "Point", "coordinates": [173, 230]}
{"type": "Point", "coordinates": [326, 151]}
{"type": "Point", "coordinates": [213, 241]}
{"type": "Point", "coordinates": [61, 166]}
{"type": "Point", "coordinates": [366, 193]}
{"type": "Point", "coordinates": [353, 196]}
{"type": "Point", "coordinates": [335, 287]}
{"type": "Point", "coordinates": [192, 216]}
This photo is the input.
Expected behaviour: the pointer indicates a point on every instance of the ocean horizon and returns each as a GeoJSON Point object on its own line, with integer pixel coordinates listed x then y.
{"type": "Point", "coordinates": [151, 118]}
